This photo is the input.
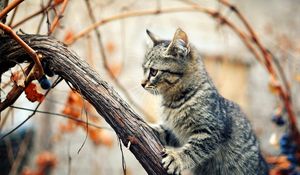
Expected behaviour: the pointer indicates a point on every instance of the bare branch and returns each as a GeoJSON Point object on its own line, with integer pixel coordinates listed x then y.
{"type": "Point", "coordinates": [58, 17]}
{"type": "Point", "coordinates": [129, 127]}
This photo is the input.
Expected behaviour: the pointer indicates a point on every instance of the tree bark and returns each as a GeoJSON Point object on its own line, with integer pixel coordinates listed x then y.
{"type": "Point", "coordinates": [117, 113]}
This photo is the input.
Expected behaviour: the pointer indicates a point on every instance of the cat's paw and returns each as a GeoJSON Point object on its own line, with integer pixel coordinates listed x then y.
{"type": "Point", "coordinates": [172, 162]}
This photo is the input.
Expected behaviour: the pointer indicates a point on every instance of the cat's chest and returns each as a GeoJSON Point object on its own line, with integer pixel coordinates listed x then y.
{"type": "Point", "coordinates": [174, 116]}
{"type": "Point", "coordinates": [179, 121]}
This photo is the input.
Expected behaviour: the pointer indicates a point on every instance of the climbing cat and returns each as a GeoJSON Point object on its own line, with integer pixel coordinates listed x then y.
{"type": "Point", "coordinates": [203, 132]}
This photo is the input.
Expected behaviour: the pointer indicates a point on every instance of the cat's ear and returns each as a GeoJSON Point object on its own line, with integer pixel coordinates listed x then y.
{"type": "Point", "coordinates": [179, 44]}
{"type": "Point", "coordinates": [155, 39]}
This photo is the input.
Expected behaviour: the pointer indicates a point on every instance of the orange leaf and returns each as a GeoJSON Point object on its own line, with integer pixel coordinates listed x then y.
{"type": "Point", "coordinates": [18, 78]}
{"type": "Point", "coordinates": [106, 139]}
{"type": "Point", "coordinates": [100, 137]}
{"type": "Point", "coordinates": [69, 36]}
{"type": "Point", "coordinates": [73, 108]}
{"type": "Point", "coordinates": [67, 110]}
{"type": "Point", "coordinates": [32, 94]}
{"type": "Point", "coordinates": [15, 77]}
{"type": "Point", "coordinates": [46, 159]}
{"type": "Point", "coordinates": [111, 47]}
{"type": "Point", "coordinates": [75, 98]}
{"type": "Point", "coordinates": [73, 105]}
{"type": "Point", "coordinates": [68, 127]}
{"type": "Point", "coordinates": [27, 171]}
{"type": "Point", "coordinates": [95, 136]}
{"type": "Point", "coordinates": [115, 68]}
{"type": "Point", "coordinates": [56, 2]}
{"type": "Point", "coordinates": [275, 171]}
{"type": "Point", "coordinates": [274, 85]}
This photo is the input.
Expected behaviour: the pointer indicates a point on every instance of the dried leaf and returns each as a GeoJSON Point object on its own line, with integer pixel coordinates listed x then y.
{"type": "Point", "coordinates": [100, 137]}
{"type": "Point", "coordinates": [95, 136]}
{"type": "Point", "coordinates": [69, 36]}
{"type": "Point", "coordinates": [275, 171]}
{"type": "Point", "coordinates": [111, 47]}
{"type": "Point", "coordinates": [27, 171]}
{"type": "Point", "coordinates": [68, 127]}
{"type": "Point", "coordinates": [46, 159]}
{"type": "Point", "coordinates": [32, 94]}
{"type": "Point", "coordinates": [274, 86]}
{"type": "Point", "coordinates": [18, 78]}
{"type": "Point", "coordinates": [56, 2]}
{"type": "Point", "coordinates": [73, 107]}
{"type": "Point", "coordinates": [115, 68]}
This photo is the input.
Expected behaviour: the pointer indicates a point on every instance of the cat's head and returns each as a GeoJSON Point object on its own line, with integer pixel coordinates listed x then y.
{"type": "Point", "coordinates": [165, 64]}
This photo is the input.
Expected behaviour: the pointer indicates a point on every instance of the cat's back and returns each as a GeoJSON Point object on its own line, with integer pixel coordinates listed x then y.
{"type": "Point", "coordinates": [241, 150]}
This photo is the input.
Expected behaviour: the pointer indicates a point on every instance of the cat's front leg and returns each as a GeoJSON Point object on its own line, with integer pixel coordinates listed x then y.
{"type": "Point", "coordinates": [165, 135]}
{"type": "Point", "coordinates": [199, 148]}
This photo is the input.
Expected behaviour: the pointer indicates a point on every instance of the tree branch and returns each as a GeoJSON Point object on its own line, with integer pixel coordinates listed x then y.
{"type": "Point", "coordinates": [130, 128]}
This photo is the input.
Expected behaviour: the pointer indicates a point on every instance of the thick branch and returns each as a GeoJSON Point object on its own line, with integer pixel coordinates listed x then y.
{"type": "Point", "coordinates": [126, 123]}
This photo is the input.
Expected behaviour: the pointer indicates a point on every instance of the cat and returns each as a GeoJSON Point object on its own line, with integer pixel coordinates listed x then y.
{"type": "Point", "coordinates": [203, 132]}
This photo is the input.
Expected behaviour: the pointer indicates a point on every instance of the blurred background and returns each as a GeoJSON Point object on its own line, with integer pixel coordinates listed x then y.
{"type": "Point", "coordinates": [63, 146]}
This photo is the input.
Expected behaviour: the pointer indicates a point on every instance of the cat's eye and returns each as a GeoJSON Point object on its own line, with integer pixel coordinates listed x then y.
{"type": "Point", "coordinates": [153, 72]}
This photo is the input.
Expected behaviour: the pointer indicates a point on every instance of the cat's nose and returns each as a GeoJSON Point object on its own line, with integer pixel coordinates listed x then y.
{"type": "Point", "coordinates": [143, 84]}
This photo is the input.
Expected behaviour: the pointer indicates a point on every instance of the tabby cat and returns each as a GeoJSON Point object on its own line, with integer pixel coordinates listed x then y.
{"type": "Point", "coordinates": [203, 132]}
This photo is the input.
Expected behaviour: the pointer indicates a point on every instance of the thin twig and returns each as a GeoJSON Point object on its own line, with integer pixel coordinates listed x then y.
{"type": "Point", "coordinates": [64, 116]}
{"type": "Point", "coordinates": [281, 73]}
{"type": "Point", "coordinates": [13, 16]}
{"type": "Point", "coordinates": [21, 124]}
{"type": "Point", "coordinates": [9, 7]}
{"type": "Point", "coordinates": [131, 14]}
{"type": "Point", "coordinates": [123, 158]}
{"type": "Point", "coordinates": [58, 17]}
{"type": "Point", "coordinates": [254, 37]}
{"type": "Point", "coordinates": [42, 10]}
{"type": "Point", "coordinates": [193, 8]}
{"type": "Point", "coordinates": [3, 121]}
{"type": "Point", "coordinates": [43, 17]}
{"type": "Point", "coordinates": [86, 122]}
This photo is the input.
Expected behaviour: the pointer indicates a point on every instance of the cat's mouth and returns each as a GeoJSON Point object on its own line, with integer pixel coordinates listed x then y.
{"type": "Point", "coordinates": [152, 90]}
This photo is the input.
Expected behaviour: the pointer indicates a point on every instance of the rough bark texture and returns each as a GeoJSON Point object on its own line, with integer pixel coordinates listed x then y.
{"type": "Point", "coordinates": [126, 123]}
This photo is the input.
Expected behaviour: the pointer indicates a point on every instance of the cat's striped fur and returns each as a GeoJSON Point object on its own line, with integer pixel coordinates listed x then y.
{"type": "Point", "coordinates": [203, 132]}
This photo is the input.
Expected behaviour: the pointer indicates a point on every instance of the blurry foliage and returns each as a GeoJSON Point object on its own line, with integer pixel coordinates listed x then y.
{"type": "Point", "coordinates": [76, 107]}
{"type": "Point", "coordinates": [45, 161]}
{"type": "Point", "coordinates": [69, 36]}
